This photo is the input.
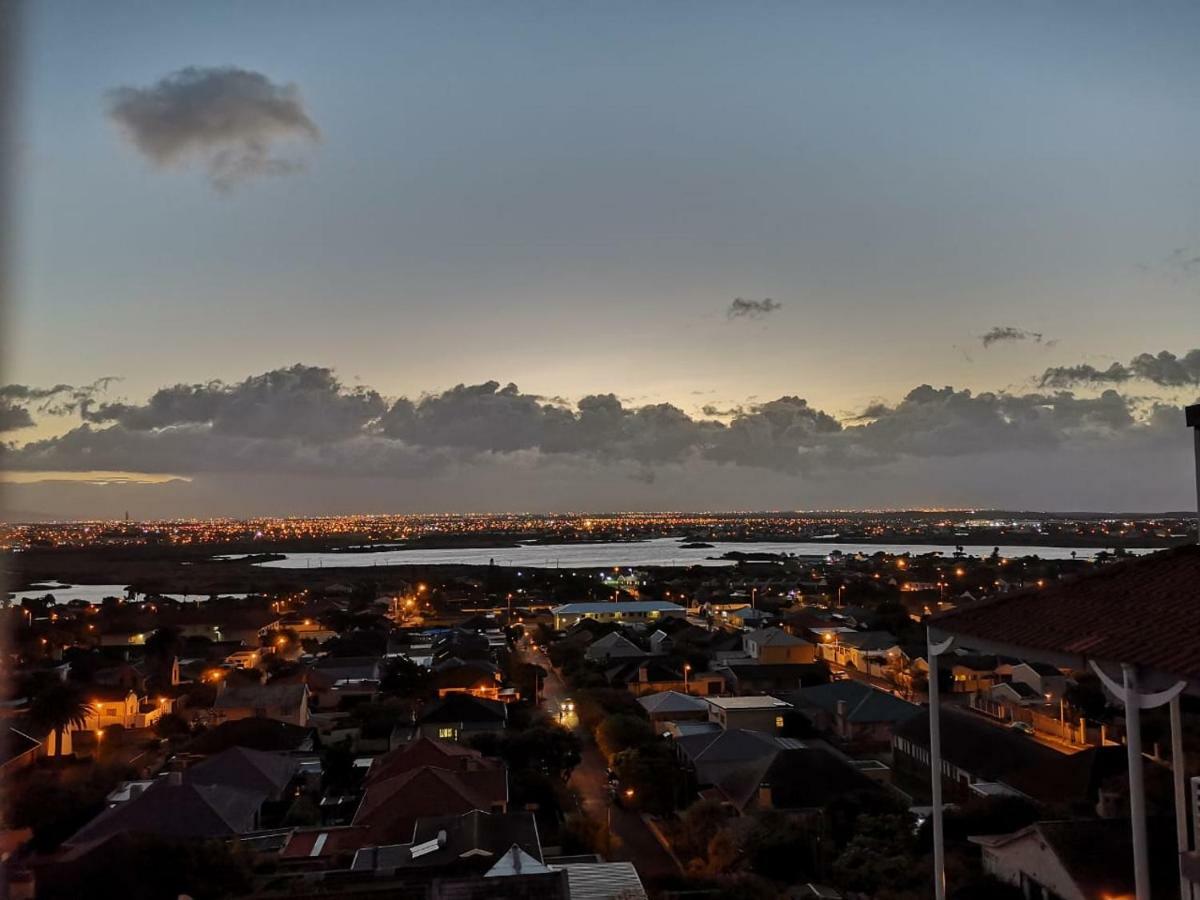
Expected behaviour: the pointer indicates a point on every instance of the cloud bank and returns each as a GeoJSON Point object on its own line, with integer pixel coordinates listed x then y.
{"type": "Point", "coordinates": [229, 120]}
{"type": "Point", "coordinates": [304, 420]}
{"type": "Point", "coordinates": [1164, 369]}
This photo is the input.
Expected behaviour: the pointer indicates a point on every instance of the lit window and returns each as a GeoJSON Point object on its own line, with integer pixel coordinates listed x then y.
{"type": "Point", "coordinates": [447, 733]}
{"type": "Point", "coordinates": [779, 721]}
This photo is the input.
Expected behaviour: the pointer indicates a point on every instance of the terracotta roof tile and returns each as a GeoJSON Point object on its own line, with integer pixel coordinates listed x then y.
{"type": "Point", "coordinates": [1145, 611]}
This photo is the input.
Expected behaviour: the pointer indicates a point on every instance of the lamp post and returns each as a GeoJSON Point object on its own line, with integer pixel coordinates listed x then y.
{"type": "Point", "coordinates": [686, 668]}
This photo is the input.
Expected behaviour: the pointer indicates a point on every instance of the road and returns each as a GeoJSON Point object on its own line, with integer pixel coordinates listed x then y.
{"type": "Point", "coordinates": [636, 843]}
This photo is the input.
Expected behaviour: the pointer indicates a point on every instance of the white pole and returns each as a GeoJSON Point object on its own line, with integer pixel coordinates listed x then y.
{"type": "Point", "coordinates": [935, 771]}
{"type": "Point", "coordinates": [1137, 787]}
{"type": "Point", "coordinates": [1179, 775]}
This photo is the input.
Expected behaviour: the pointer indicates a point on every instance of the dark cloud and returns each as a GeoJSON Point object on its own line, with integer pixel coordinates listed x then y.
{"type": "Point", "coordinates": [1006, 334]}
{"type": "Point", "coordinates": [1164, 369]}
{"type": "Point", "coordinates": [751, 309]}
{"type": "Point", "coordinates": [307, 403]}
{"type": "Point", "coordinates": [304, 420]}
{"type": "Point", "coordinates": [227, 119]}
{"type": "Point", "coordinates": [19, 402]}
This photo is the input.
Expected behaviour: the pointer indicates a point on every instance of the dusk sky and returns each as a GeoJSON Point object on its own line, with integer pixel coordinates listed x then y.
{"type": "Point", "coordinates": [760, 227]}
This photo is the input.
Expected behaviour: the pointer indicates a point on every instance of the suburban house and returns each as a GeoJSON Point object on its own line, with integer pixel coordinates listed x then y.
{"type": "Point", "coordinates": [613, 645]}
{"type": "Point", "coordinates": [981, 757]}
{"type": "Point", "coordinates": [1079, 859]}
{"type": "Point", "coordinates": [1042, 678]}
{"type": "Point", "coordinates": [854, 711]}
{"type": "Point", "coordinates": [971, 673]}
{"type": "Point", "coordinates": [672, 706]}
{"type": "Point", "coordinates": [763, 714]}
{"type": "Point", "coordinates": [774, 645]}
{"type": "Point", "coordinates": [743, 676]}
{"type": "Point", "coordinates": [285, 702]}
{"type": "Point", "coordinates": [124, 707]}
{"type": "Point", "coordinates": [476, 677]}
{"type": "Point", "coordinates": [873, 652]}
{"type": "Point", "coordinates": [427, 778]}
{"type": "Point", "coordinates": [633, 611]}
{"type": "Point", "coordinates": [457, 717]}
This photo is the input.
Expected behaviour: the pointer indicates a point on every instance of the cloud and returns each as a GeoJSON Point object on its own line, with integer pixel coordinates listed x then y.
{"type": "Point", "coordinates": [302, 420]}
{"type": "Point", "coordinates": [751, 309]}
{"type": "Point", "coordinates": [1164, 369]}
{"type": "Point", "coordinates": [227, 119]}
{"type": "Point", "coordinates": [1006, 334]}
{"type": "Point", "coordinates": [18, 402]}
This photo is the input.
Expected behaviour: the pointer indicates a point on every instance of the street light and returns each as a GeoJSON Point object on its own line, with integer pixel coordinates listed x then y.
{"type": "Point", "coordinates": [687, 667]}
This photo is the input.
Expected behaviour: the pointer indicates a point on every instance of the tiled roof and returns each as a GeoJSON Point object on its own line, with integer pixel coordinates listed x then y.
{"type": "Point", "coordinates": [391, 806]}
{"type": "Point", "coordinates": [425, 751]}
{"type": "Point", "coordinates": [865, 704]}
{"type": "Point", "coordinates": [248, 770]}
{"type": "Point", "coordinates": [1145, 611]}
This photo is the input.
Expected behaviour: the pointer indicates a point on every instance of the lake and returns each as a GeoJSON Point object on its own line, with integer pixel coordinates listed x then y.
{"type": "Point", "coordinates": [656, 552]}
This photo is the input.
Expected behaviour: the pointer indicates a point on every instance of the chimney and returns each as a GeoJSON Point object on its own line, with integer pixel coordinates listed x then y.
{"type": "Point", "coordinates": [1192, 414]}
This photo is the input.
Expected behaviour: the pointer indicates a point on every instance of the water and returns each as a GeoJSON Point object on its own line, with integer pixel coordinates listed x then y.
{"type": "Point", "coordinates": [656, 552]}
{"type": "Point", "coordinates": [95, 593]}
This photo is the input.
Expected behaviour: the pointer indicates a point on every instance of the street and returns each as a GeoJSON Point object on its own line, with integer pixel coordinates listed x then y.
{"type": "Point", "coordinates": [637, 844]}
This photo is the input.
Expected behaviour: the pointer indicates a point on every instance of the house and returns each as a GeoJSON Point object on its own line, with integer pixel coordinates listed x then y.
{"type": "Point", "coordinates": [285, 702]}
{"type": "Point", "coordinates": [854, 711]}
{"type": "Point", "coordinates": [750, 713]}
{"type": "Point", "coordinates": [774, 645]}
{"type": "Point", "coordinates": [1015, 693]}
{"type": "Point", "coordinates": [476, 677]}
{"type": "Point", "coordinates": [244, 658]}
{"type": "Point", "coordinates": [747, 617]}
{"type": "Point", "coordinates": [1079, 860]}
{"type": "Point", "coordinates": [661, 642]}
{"type": "Point", "coordinates": [1048, 682]}
{"type": "Point", "coordinates": [977, 752]}
{"type": "Point", "coordinates": [267, 735]}
{"type": "Point", "coordinates": [748, 677]}
{"type": "Point", "coordinates": [804, 777]}
{"type": "Point", "coordinates": [672, 706]}
{"type": "Point", "coordinates": [269, 774]}
{"type": "Point", "coordinates": [633, 611]}
{"type": "Point", "coordinates": [427, 778]}
{"type": "Point", "coordinates": [971, 673]}
{"type": "Point", "coordinates": [650, 676]}
{"type": "Point", "coordinates": [124, 707]}
{"type": "Point", "coordinates": [459, 843]}
{"type": "Point", "coordinates": [457, 717]}
{"type": "Point", "coordinates": [174, 807]}
{"type": "Point", "coordinates": [613, 645]}
{"type": "Point", "coordinates": [873, 652]}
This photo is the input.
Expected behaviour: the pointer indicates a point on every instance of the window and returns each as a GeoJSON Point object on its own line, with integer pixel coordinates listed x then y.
{"type": "Point", "coordinates": [446, 733]}
{"type": "Point", "coordinates": [779, 721]}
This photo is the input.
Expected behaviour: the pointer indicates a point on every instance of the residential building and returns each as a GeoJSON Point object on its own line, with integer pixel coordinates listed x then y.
{"type": "Point", "coordinates": [633, 611]}
{"type": "Point", "coordinates": [774, 645]}
{"type": "Point", "coordinates": [285, 702]}
{"type": "Point", "coordinates": [765, 714]}
{"type": "Point", "coordinates": [457, 717]}
{"type": "Point", "coordinates": [854, 711]}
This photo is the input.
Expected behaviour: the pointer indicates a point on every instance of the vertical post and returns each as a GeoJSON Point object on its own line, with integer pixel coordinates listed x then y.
{"type": "Point", "coordinates": [1192, 414]}
{"type": "Point", "coordinates": [1179, 776]}
{"type": "Point", "coordinates": [935, 767]}
{"type": "Point", "coordinates": [1137, 787]}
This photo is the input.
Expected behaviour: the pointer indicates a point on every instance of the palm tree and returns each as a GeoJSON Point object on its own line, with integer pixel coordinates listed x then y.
{"type": "Point", "coordinates": [59, 707]}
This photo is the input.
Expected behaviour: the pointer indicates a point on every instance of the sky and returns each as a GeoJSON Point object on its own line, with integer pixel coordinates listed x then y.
{"type": "Point", "coordinates": [719, 250]}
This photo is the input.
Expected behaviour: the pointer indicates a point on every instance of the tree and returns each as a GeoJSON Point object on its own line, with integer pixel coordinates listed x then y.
{"type": "Point", "coordinates": [404, 678]}
{"type": "Point", "coordinates": [59, 707]}
{"type": "Point", "coordinates": [622, 732]}
{"type": "Point", "coordinates": [1087, 695]}
{"type": "Point", "coordinates": [880, 855]}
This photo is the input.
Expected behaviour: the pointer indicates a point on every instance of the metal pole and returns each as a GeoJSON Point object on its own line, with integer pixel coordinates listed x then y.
{"type": "Point", "coordinates": [1179, 776]}
{"type": "Point", "coordinates": [935, 770]}
{"type": "Point", "coordinates": [1192, 415]}
{"type": "Point", "coordinates": [1137, 787]}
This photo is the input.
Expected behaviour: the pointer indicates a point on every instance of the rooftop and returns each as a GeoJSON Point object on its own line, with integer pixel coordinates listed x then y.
{"type": "Point", "coordinates": [1142, 611]}
{"type": "Point", "coordinates": [748, 703]}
